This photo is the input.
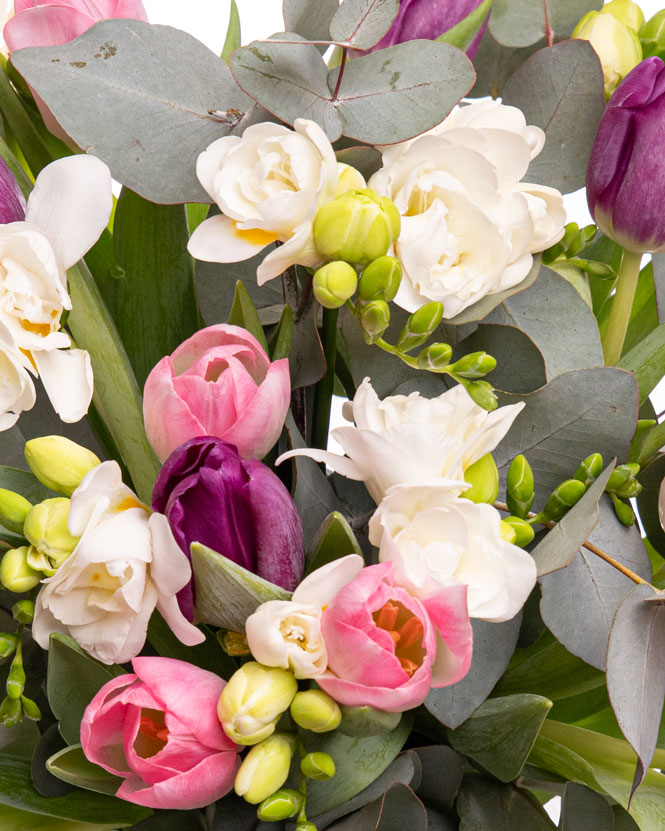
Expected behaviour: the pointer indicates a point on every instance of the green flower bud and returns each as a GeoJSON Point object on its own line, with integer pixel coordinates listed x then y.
{"type": "Point", "coordinates": [46, 528]}
{"type": "Point", "coordinates": [483, 476]}
{"type": "Point", "coordinates": [652, 36]}
{"type": "Point", "coordinates": [617, 46]}
{"type": "Point", "coordinates": [380, 280]}
{"type": "Point", "coordinates": [621, 475]}
{"type": "Point", "coordinates": [374, 319]}
{"type": "Point", "coordinates": [59, 463]}
{"type": "Point", "coordinates": [629, 489]}
{"type": "Point", "coordinates": [305, 826]}
{"type": "Point", "coordinates": [435, 357]}
{"type": "Point", "coordinates": [315, 710]}
{"type": "Point", "coordinates": [16, 679]}
{"type": "Point", "coordinates": [361, 722]}
{"type": "Point", "coordinates": [508, 533]}
{"type": "Point", "coordinates": [519, 487]}
{"type": "Point", "coordinates": [524, 532]}
{"type": "Point", "coordinates": [623, 511]}
{"type": "Point", "coordinates": [474, 365]}
{"type": "Point", "coordinates": [318, 766]}
{"type": "Point", "coordinates": [349, 179]}
{"type": "Point", "coordinates": [10, 711]}
{"type": "Point", "coordinates": [563, 498]}
{"type": "Point", "coordinates": [334, 284]}
{"type": "Point", "coordinates": [15, 573]}
{"type": "Point", "coordinates": [30, 709]}
{"type": "Point", "coordinates": [481, 392]}
{"type": "Point", "coordinates": [24, 611]}
{"type": "Point", "coordinates": [8, 644]}
{"type": "Point", "coordinates": [359, 226]}
{"type": "Point", "coordinates": [253, 701]}
{"type": "Point", "coordinates": [283, 804]}
{"type": "Point", "coordinates": [265, 768]}
{"type": "Point", "coordinates": [13, 510]}
{"type": "Point", "coordinates": [627, 12]}
{"type": "Point", "coordinates": [420, 326]}
{"type": "Point", "coordinates": [589, 470]}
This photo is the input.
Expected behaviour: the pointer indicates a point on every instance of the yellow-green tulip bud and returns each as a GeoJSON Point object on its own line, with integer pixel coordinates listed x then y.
{"type": "Point", "coordinates": [24, 611]}
{"type": "Point", "coordinates": [10, 711]}
{"type": "Point", "coordinates": [359, 226]}
{"type": "Point", "coordinates": [617, 46]}
{"type": "Point", "coordinates": [15, 573]}
{"type": "Point", "coordinates": [361, 722]}
{"type": "Point", "coordinates": [652, 36]}
{"type": "Point", "coordinates": [623, 511]}
{"type": "Point", "coordinates": [474, 365]}
{"type": "Point", "coordinates": [30, 709]}
{"type": "Point", "coordinates": [8, 644]}
{"type": "Point", "coordinates": [265, 768]}
{"type": "Point", "coordinates": [589, 470]}
{"type": "Point", "coordinates": [283, 804]}
{"type": "Point", "coordinates": [374, 319]}
{"type": "Point", "coordinates": [253, 700]}
{"type": "Point", "coordinates": [318, 766]}
{"type": "Point", "coordinates": [507, 532]}
{"type": "Point", "coordinates": [349, 179]}
{"type": "Point", "coordinates": [14, 509]}
{"type": "Point", "coordinates": [59, 463]}
{"type": "Point", "coordinates": [481, 392]}
{"type": "Point", "coordinates": [420, 326]}
{"type": "Point", "coordinates": [629, 13]}
{"type": "Point", "coordinates": [16, 679]}
{"type": "Point", "coordinates": [483, 476]}
{"type": "Point", "coordinates": [334, 284]}
{"type": "Point", "coordinates": [435, 357]}
{"type": "Point", "coordinates": [46, 529]}
{"type": "Point", "coordinates": [380, 280]}
{"type": "Point", "coordinates": [524, 532]}
{"type": "Point", "coordinates": [563, 498]}
{"type": "Point", "coordinates": [519, 487]}
{"type": "Point", "coordinates": [315, 710]}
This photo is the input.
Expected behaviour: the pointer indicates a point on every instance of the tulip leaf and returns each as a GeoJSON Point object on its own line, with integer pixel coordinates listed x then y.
{"type": "Point", "coordinates": [495, 63]}
{"type": "Point", "coordinates": [177, 821]}
{"type": "Point", "coordinates": [441, 775]}
{"type": "Point", "coordinates": [71, 765]}
{"type": "Point", "coordinates": [35, 150]}
{"type": "Point", "coordinates": [117, 91]}
{"type": "Point", "coordinates": [279, 345]}
{"type": "Point", "coordinates": [226, 593]}
{"type": "Point", "coordinates": [484, 803]}
{"type": "Point", "coordinates": [23, 482]}
{"type": "Point", "coordinates": [362, 23]}
{"type": "Point", "coordinates": [14, 819]}
{"type": "Point", "coordinates": [560, 89]}
{"type": "Point", "coordinates": [68, 700]}
{"type": "Point", "coordinates": [523, 22]}
{"type": "Point", "coordinates": [462, 34]}
{"type": "Point", "coordinates": [584, 810]}
{"type": "Point", "coordinates": [333, 540]}
{"type": "Point", "coordinates": [243, 313]}
{"type": "Point", "coordinates": [310, 20]}
{"type": "Point", "coordinates": [233, 33]}
{"type": "Point", "coordinates": [647, 361]}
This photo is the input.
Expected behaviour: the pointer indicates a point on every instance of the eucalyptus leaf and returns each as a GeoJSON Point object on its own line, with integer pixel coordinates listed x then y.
{"type": "Point", "coordinates": [333, 540]}
{"type": "Point", "coordinates": [522, 22]}
{"type": "Point", "coordinates": [172, 821]}
{"type": "Point", "coordinates": [310, 20]}
{"type": "Point", "coordinates": [647, 361]}
{"type": "Point", "coordinates": [362, 23]}
{"type": "Point", "coordinates": [396, 809]}
{"type": "Point", "coordinates": [584, 810]}
{"type": "Point", "coordinates": [484, 803]}
{"type": "Point", "coordinates": [243, 313]}
{"type": "Point", "coordinates": [462, 34]}
{"type": "Point", "coordinates": [280, 340]}
{"type": "Point", "coordinates": [71, 765]}
{"type": "Point", "coordinates": [441, 776]}
{"type": "Point", "coordinates": [647, 502]}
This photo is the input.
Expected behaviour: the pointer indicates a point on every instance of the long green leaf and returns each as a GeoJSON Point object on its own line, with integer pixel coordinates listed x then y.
{"type": "Point", "coordinates": [233, 35]}
{"type": "Point", "coordinates": [647, 361]}
{"type": "Point", "coordinates": [463, 33]}
{"type": "Point", "coordinates": [35, 150]}
{"type": "Point", "coordinates": [243, 313]}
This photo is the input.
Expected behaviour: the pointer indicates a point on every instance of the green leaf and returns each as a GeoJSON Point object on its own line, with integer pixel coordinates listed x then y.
{"type": "Point", "coordinates": [23, 482]}
{"type": "Point", "coordinates": [523, 22]}
{"type": "Point", "coordinates": [484, 803]}
{"type": "Point", "coordinates": [647, 361]}
{"type": "Point", "coordinates": [462, 34]}
{"type": "Point", "coordinates": [175, 821]}
{"type": "Point", "coordinates": [207, 655]}
{"type": "Point", "coordinates": [226, 593]}
{"type": "Point", "coordinates": [560, 89]}
{"type": "Point", "coordinates": [501, 732]}
{"type": "Point", "coordinates": [71, 765]}
{"type": "Point", "coordinates": [233, 34]}
{"type": "Point", "coordinates": [116, 396]}
{"type": "Point", "coordinates": [362, 23]}
{"type": "Point", "coordinates": [561, 544]}
{"type": "Point", "coordinates": [125, 100]}
{"type": "Point", "coordinates": [74, 678]}
{"type": "Point", "coordinates": [243, 313]}
{"type": "Point", "coordinates": [333, 540]}
{"type": "Point", "coordinates": [644, 314]}
{"type": "Point", "coordinates": [652, 443]}
{"type": "Point", "coordinates": [14, 819]}
{"type": "Point", "coordinates": [394, 810]}
{"type": "Point", "coordinates": [35, 150]}
{"type": "Point", "coordinates": [495, 63]}
{"type": "Point", "coordinates": [584, 810]}
{"type": "Point", "coordinates": [280, 340]}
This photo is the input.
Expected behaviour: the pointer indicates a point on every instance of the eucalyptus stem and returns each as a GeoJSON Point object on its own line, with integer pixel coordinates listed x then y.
{"type": "Point", "coordinates": [622, 305]}
{"type": "Point", "coordinates": [324, 389]}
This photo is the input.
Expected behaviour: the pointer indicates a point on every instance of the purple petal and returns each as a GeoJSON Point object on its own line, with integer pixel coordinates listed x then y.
{"type": "Point", "coordinates": [12, 203]}
{"type": "Point", "coordinates": [428, 19]}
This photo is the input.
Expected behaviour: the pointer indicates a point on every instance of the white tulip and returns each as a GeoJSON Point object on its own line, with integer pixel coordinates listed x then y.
{"type": "Point", "coordinates": [125, 565]}
{"type": "Point", "coordinates": [268, 184]}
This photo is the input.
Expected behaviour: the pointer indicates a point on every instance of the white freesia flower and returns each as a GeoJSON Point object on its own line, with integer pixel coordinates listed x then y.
{"type": "Point", "coordinates": [268, 184]}
{"type": "Point", "coordinates": [408, 438]}
{"type": "Point", "coordinates": [436, 540]}
{"type": "Point", "coordinates": [17, 391]}
{"type": "Point", "coordinates": [125, 565]}
{"type": "Point", "coordinates": [287, 633]}
{"type": "Point", "coordinates": [469, 225]}
{"type": "Point", "coordinates": [66, 212]}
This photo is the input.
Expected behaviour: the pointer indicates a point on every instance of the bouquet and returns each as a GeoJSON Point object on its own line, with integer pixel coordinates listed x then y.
{"type": "Point", "coordinates": [227, 605]}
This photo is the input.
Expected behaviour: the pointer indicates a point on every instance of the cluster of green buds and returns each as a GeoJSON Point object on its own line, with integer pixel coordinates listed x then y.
{"type": "Point", "coordinates": [16, 704]}
{"type": "Point", "coordinates": [250, 707]}
{"type": "Point", "coordinates": [566, 257]}
{"type": "Point", "coordinates": [623, 485]}
{"type": "Point", "coordinates": [652, 36]}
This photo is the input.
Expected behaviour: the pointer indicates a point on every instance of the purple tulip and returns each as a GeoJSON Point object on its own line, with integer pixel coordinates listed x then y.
{"type": "Point", "coordinates": [238, 508]}
{"type": "Point", "coordinates": [626, 174]}
{"type": "Point", "coordinates": [427, 19]}
{"type": "Point", "coordinates": [12, 203]}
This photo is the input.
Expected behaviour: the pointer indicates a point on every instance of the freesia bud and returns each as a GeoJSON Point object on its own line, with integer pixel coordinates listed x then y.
{"type": "Point", "coordinates": [360, 722]}
{"type": "Point", "coordinates": [563, 498]}
{"type": "Point", "coordinates": [629, 13]}
{"type": "Point", "coordinates": [359, 226]}
{"type": "Point", "coordinates": [10, 711]}
{"type": "Point", "coordinates": [474, 365]}
{"type": "Point", "coordinates": [520, 487]}
{"type": "Point", "coordinates": [420, 326]}
{"type": "Point", "coordinates": [589, 469]}
{"type": "Point", "coordinates": [16, 679]}
{"type": "Point", "coordinates": [283, 804]}
{"type": "Point", "coordinates": [305, 826]}
{"type": "Point", "coordinates": [621, 475]}
{"type": "Point", "coordinates": [483, 476]}
{"type": "Point", "coordinates": [617, 46]}
{"type": "Point", "coordinates": [252, 702]}
{"type": "Point", "coordinates": [623, 511]}
{"type": "Point", "coordinates": [652, 36]}
{"type": "Point", "coordinates": [46, 529]}
{"type": "Point", "coordinates": [334, 284]}
{"type": "Point", "coordinates": [508, 533]}
{"type": "Point", "coordinates": [630, 489]}
{"type": "Point", "coordinates": [380, 280]}
{"type": "Point", "coordinates": [374, 319]}
{"type": "Point", "coordinates": [15, 573]}
{"type": "Point", "coordinates": [8, 644]}
{"type": "Point", "coordinates": [481, 392]}
{"type": "Point", "coordinates": [59, 463]}
{"type": "Point", "coordinates": [14, 509]}
{"type": "Point", "coordinates": [349, 179]}
{"type": "Point", "coordinates": [30, 709]}
{"type": "Point", "coordinates": [24, 610]}
{"type": "Point", "coordinates": [524, 532]}
{"type": "Point", "coordinates": [317, 766]}
{"type": "Point", "coordinates": [315, 710]}
{"type": "Point", "coordinates": [265, 768]}
{"type": "Point", "coordinates": [435, 357]}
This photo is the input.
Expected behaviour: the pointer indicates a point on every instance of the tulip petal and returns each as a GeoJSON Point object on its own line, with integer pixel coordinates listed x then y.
{"type": "Point", "coordinates": [12, 202]}
{"type": "Point", "coordinates": [219, 240]}
{"type": "Point", "coordinates": [391, 700]}
{"type": "Point", "coordinates": [67, 378]}
{"type": "Point", "coordinates": [239, 341]}
{"type": "Point", "coordinates": [49, 25]}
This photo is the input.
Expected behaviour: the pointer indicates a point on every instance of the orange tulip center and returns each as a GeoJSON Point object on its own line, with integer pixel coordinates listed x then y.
{"type": "Point", "coordinates": [153, 733]}
{"type": "Point", "coordinates": [406, 630]}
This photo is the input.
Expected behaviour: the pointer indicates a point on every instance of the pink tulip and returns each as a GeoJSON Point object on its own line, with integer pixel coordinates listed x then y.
{"type": "Point", "coordinates": [219, 383]}
{"type": "Point", "coordinates": [386, 648]}
{"type": "Point", "coordinates": [158, 729]}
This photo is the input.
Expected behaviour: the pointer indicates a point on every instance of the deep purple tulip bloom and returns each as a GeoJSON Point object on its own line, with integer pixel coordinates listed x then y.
{"type": "Point", "coordinates": [12, 203]}
{"type": "Point", "coordinates": [427, 19]}
{"type": "Point", "coordinates": [626, 173]}
{"type": "Point", "coordinates": [238, 508]}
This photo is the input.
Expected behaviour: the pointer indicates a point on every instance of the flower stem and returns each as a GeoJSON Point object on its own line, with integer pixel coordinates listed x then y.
{"type": "Point", "coordinates": [622, 305]}
{"type": "Point", "coordinates": [324, 389]}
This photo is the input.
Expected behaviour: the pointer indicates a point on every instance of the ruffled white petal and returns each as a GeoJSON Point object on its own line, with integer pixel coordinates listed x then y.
{"type": "Point", "coordinates": [67, 379]}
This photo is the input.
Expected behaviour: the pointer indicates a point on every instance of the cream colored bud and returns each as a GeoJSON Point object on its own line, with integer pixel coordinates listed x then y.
{"type": "Point", "coordinates": [617, 46]}
{"type": "Point", "coordinates": [59, 463]}
{"type": "Point", "coordinates": [265, 768]}
{"type": "Point", "coordinates": [15, 573]}
{"type": "Point", "coordinates": [46, 529]}
{"type": "Point", "coordinates": [14, 509]}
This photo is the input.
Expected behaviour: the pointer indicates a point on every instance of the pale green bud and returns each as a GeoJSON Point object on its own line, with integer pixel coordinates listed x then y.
{"type": "Point", "coordinates": [315, 710]}
{"type": "Point", "coordinates": [621, 475]}
{"type": "Point", "coordinates": [361, 722]}
{"type": "Point", "coordinates": [623, 510]}
{"type": "Point", "coordinates": [24, 611]}
{"type": "Point", "coordinates": [16, 679]}
{"type": "Point", "coordinates": [652, 35]}
{"type": "Point", "coordinates": [627, 12]}
{"type": "Point", "coordinates": [435, 357]}
{"type": "Point", "coordinates": [630, 489]}
{"type": "Point", "coordinates": [253, 700]}
{"type": "Point", "coordinates": [508, 533]}
{"type": "Point", "coordinates": [374, 319]}
{"type": "Point", "coordinates": [318, 766]}
{"type": "Point", "coordinates": [283, 804]}
{"type": "Point", "coordinates": [10, 711]}
{"type": "Point", "coordinates": [349, 179]}
{"type": "Point", "coordinates": [483, 476]}
{"type": "Point", "coordinates": [265, 768]}
{"type": "Point", "coordinates": [481, 392]}
{"type": "Point", "coordinates": [59, 463]}
{"type": "Point", "coordinates": [519, 487]}
{"type": "Point", "coordinates": [46, 529]}
{"type": "Point", "coordinates": [15, 573]}
{"type": "Point", "coordinates": [617, 46]}
{"type": "Point", "coordinates": [524, 532]}
{"type": "Point", "coordinates": [14, 509]}
{"type": "Point", "coordinates": [8, 644]}
{"type": "Point", "coordinates": [334, 284]}
{"type": "Point", "coordinates": [30, 709]}
{"type": "Point", "coordinates": [474, 365]}
{"type": "Point", "coordinates": [420, 326]}
{"type": "Point", "coordinates": [359, 226]}
{"type": "Point", "coordinates": [589, 469]}
{"type": "Point", "coordinates": [563, 498]}
{"type": "Point", "coordinates": [380, 280]}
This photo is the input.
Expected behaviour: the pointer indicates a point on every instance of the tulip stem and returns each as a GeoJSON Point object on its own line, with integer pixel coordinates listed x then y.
{"type": "Point", "coordinates": [324, 389]}
{"type": "Point", "coordinates": [622, 305]}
